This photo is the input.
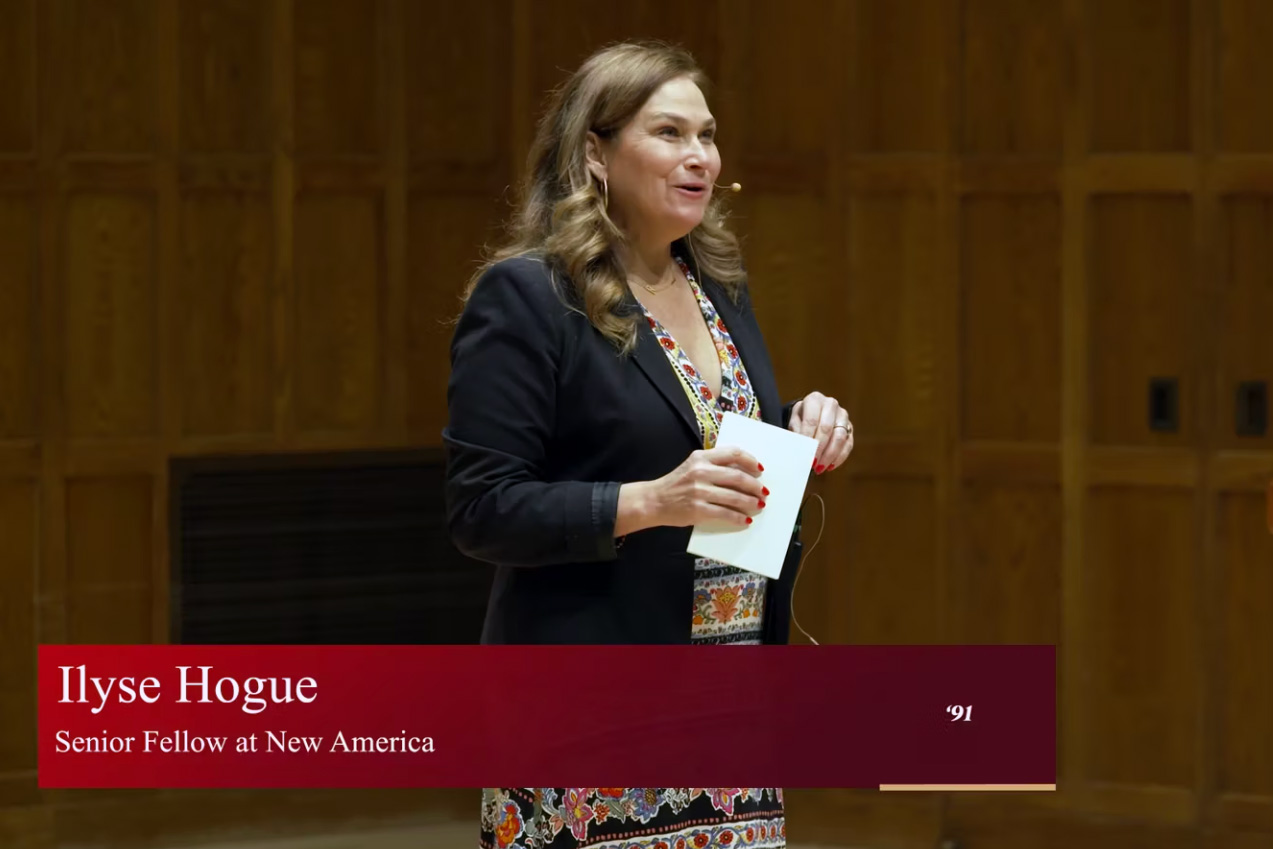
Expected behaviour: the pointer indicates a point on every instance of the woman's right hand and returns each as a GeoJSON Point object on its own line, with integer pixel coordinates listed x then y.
{"type": "Point", "coordinates": [718, 485]}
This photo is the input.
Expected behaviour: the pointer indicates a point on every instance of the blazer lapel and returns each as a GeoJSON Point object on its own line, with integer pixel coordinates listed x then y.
{"type": "Point", "coordinates": [652, 360]}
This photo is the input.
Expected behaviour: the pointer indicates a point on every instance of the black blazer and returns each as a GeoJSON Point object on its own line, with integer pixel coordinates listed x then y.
{"type": "Point", "coordinates": [546, 420]}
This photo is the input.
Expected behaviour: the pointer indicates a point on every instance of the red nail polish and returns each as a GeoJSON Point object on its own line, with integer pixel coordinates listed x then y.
{"type": "Point", "coordinates": [749, 520]}
{"type": "Point", "coordinates": [830, 467]}
{"type": "Point", "coordinates": [820, 468]}
{"type": "Point", "coordinates": [760, 466]}
{"type": "Point", "coordinates": [764, 490]}
{"type": "Point", "coordinates": [762, 504]}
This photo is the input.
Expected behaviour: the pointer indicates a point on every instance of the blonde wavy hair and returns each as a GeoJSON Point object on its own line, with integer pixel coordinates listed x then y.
{"type": "Point", "coordinates": [561, 215]}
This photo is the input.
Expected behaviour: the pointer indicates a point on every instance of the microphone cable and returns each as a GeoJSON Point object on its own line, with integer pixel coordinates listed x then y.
{"type": "Point", "coordinates": [800, 566]}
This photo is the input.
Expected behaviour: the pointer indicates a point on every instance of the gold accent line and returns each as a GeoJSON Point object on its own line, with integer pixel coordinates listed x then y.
{"type": "Point", "coordinates": [969, 787]}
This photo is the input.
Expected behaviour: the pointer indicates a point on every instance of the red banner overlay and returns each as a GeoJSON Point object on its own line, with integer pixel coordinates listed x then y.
{"type": "Point", "coordinates": [552, 716]}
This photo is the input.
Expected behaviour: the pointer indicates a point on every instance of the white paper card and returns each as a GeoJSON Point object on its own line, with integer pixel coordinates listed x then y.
{"type": "Point", "coordinates": [787, 457]}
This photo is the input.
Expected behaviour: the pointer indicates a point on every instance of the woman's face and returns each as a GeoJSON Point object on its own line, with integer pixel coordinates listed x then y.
{"type": "Point", "coordinates": [661, 166]}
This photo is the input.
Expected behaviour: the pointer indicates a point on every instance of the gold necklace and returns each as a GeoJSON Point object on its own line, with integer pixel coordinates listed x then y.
{"type": "Point", "coordinates": [655, 290]}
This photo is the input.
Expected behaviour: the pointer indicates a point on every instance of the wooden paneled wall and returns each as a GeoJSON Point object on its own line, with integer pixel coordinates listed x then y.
{"type": "Point", "coordinates": [987, 225]}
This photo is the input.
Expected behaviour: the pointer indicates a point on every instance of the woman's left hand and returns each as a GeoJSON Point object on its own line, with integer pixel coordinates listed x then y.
{"type": "Point", "coordinates": [825, 420]}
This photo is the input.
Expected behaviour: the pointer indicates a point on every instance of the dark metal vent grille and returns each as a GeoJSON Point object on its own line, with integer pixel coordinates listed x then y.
{"type": "Point", "coordinates": [319, 550]}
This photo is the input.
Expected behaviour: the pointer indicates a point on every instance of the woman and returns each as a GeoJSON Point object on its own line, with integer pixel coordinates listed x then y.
{"type": "Point", "coordinates": [591, 365]}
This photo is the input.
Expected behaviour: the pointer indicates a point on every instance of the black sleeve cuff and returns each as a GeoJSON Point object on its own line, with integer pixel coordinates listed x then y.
{"type": "Point", "coordinates": [592, 509]}
{"type": "Point", "coordinates": [605, 512]}
{"type": "Point", "coordinates": [786, 413]}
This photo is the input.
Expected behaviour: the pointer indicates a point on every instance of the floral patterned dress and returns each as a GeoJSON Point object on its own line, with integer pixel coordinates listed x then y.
{"type": "Point", "coordinates": [727, 607]}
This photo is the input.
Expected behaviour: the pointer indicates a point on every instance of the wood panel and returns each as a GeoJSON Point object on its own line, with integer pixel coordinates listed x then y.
{"type": "Point", "coordinates": [1140, 57]}
{"type": "Point", "coordinates": [1141, 644]}
{"type": "Point", "coordinates": [110, 320]}
{"type": "Point", "coordinates": [106, 75]}
{"type": "Point", "coordinates": [863, 818]}
{"type": "Point", "coordinates": [225, 315]}
{"type": "Point", "coordinates": [1142, 311]}
{"type": "Point", "coordinates": [1007, 582]}
{"type": "Point", "coordinates": [1244, 748]}
{"type": "Point", "coordinates": [1241, 471]}
{"type": "Point", "coordinates": [17, 69]}
{"type": "Point", "coordinates": [1014, 73]}
{"type": "Point", "coordinates": [18, 529]}
{"type": "Point", "coordinates": [108, 512]}
{"type": "Point", "coordinates": [1176, 468]}
{"type": "Point", "coordinates": [338, 96]}
{"type": "Point", "coordinates": [225, 76]}
{"type": "Point", "coordinates": [1010, 277]}
{"type": "Point", "coordinates": [981, 822]}
{"type": "Point", "coordinates": [18, 303]}
{"type": "Point", "coordinates": [457, 147]}
{"type": "Point", "coordinates": [762, 121]}
{"type": "Point", "coordinates": [788, 252]}
{"type": "Point", "coordinates": [892, 315]}
{"type": "Point", "coordinates": [339, 296]}
{"type": "Point", "coordinates": [1246, 281]}
{"type": "Point", "coordinates": [460, 125]}
{"type": "Point", "coordinates": [1008, 462]}
{"type": "Point", "coordinates": [897, 103]}
{"type": "Point", "coordinates": [110, 550]}
{"type": "Point", "coordinates": [18, 715]}
{"type": "Point", "coordinates": [445, 236]}
{"type": "Point", "coordinates": [197, 816]}
{"type": "Point", "coordinates": [887, 588]}
{"type": "Point", "coordinates": [560, 39]}
{"type": "Point", "coordinates": [27, 827]}
{"type": "Point", "coordinates": [1237, 840]}
{"type": "Point", "coordinates": [1245, 75]}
